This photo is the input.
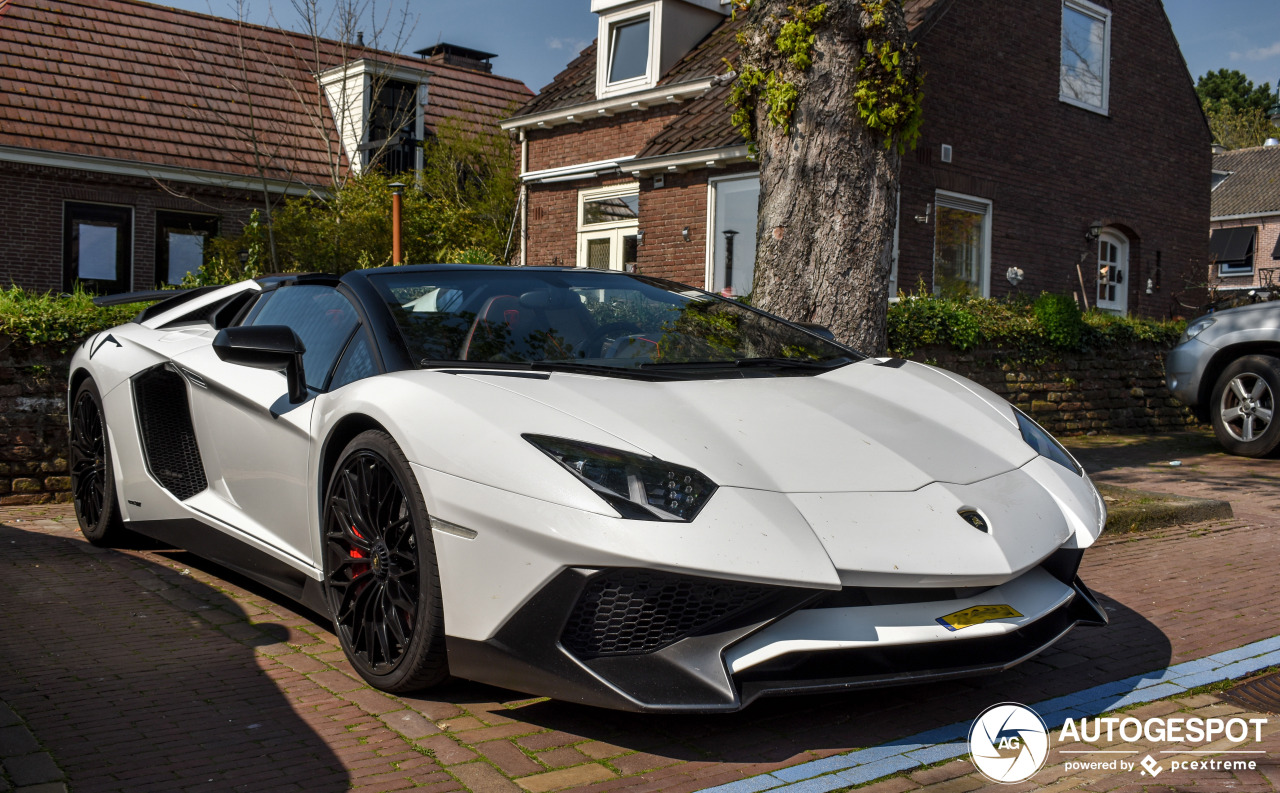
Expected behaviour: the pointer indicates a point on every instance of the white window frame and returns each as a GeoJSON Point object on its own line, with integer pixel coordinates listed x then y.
{"type": "Point", "coordinates": [604, 50]}
{"type": "Point", "coordinates": [1102, 15]}
{"type": "Point", "coordinates": [613, 231]}
{"type": "Point", "coordinates": [709, 273]}
{"type": "Point", "coordinates": [959, 201]}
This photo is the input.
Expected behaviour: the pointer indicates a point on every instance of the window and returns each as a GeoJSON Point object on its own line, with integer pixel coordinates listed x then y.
{"type": "Point", "coordinates": [961, 246]}
{"type": "Point", "coordinates": [97, 247]}
{"type": "Point", "coordinates": [629, 50]}
{"type": "Point", "coordinates": [391, 143]}
{"type": "Point", "coordinates": [180, 241]}
{"type": "Point", "coordinates": [609, 228]}
{"type": "Point", "coordinates": [734, 203]}
{"type": "Point", "coordinates": [356, 364]}
{"type": "Point", "coordinates": [321, 317]}
{"type": "Point", "coordinates": [1232, 249]}
{"type": "Point", "coordinates": [628, 53]}
{"type": "Point", "coordinates": [1086, 55]}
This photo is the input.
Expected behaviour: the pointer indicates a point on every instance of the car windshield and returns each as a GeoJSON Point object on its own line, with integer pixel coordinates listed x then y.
{"type": "Point", "coordinates": [549, 319]}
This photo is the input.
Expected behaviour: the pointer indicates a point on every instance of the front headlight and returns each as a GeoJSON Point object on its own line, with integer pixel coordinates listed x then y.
{"type": "Point", "coordinates": [1044, 444]}
{"type": "Point", "coordinates": [1196, 328]}
{"type": "Point", "coordinates": [640, 488]}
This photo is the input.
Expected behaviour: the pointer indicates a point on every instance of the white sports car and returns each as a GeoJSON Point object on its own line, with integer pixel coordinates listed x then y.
{"type": "Point", "coordinates": [595, 486]}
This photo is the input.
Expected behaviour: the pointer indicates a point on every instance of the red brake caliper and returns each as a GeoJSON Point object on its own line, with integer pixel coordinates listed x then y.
{"type": "Point", "coordinates": [356, 553]}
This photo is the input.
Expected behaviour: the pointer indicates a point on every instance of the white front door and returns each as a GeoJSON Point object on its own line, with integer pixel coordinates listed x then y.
{"type": "Point", "coordinates": [1113, 273]}
{"type": "Point", "coordinates": [614, 249]}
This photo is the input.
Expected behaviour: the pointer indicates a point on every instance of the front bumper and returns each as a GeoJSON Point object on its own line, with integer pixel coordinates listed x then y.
{"type": "Point", "coordinates": [643, 640]}
{"type": "Point", "coordinates": [1184, 367]}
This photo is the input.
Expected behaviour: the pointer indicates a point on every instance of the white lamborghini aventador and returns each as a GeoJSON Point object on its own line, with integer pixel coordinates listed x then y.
{"type": "Point", "coordinates": [596, 486]}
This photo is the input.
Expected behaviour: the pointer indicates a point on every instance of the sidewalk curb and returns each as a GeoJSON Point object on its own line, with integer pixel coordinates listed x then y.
{"type": "Point", "coordinates": [950, 741]}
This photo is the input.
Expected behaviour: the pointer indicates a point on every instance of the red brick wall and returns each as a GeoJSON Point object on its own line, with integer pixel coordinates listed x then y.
{"type": "Point", "coordinates": [1051, 168]}
{"type": "Point", "coordinates": [1268, 233]}
{"type": "Point", "coordinates": [600, 139]}
{"type": "Point", "coordinates": [32, 207]}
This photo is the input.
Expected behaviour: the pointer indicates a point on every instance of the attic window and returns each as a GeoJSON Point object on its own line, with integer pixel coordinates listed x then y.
{"type": "Point", "coordinates": [1086, 55]}
{"type": "Point", "coordinates": [628, 57]}
{"type": "Point", "coordinates": [629, 50]}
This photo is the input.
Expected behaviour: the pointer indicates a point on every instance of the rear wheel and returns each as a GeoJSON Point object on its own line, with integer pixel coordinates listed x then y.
{"type": "Point", "coordinates": [93, 484]}
{"type": "Point", "coordinates": [1243, 406]}
{"type": "Point", "coordinates": [381, 579]}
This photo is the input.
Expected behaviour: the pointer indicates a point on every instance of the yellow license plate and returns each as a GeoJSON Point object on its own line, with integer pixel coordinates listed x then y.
{"type": "Point", "coordinates": [976, 616]}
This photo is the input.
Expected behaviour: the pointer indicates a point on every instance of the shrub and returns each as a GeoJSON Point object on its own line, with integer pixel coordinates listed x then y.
{"type": "Point", "coordinates": [30, 318]}
{"type": "Point", "coordinates": [1060, 317]}
{"type": "Point", "coordinates": [1027, 331]}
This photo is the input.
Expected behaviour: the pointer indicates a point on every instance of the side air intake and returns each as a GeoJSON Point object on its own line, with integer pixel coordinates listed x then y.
{"type": "Point", "coordinates": [168, 439]}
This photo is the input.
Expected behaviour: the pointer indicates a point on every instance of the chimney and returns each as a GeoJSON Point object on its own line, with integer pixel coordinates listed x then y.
{"type": "Point", "coordinates": [460, 57]}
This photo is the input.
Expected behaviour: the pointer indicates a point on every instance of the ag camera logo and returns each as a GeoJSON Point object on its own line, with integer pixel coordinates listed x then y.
{"type": "Point", "coordinates": [1009, 742]}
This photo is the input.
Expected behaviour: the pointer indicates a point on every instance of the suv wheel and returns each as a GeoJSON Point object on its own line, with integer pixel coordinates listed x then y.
{"type": "Point", "coordinates": [1243, 406]}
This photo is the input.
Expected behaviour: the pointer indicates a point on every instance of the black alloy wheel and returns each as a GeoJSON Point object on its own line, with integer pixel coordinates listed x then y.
{"type": "Point", "coordinates": [92, 475]}
{"type": "Point", "coordinates": [381, 580]}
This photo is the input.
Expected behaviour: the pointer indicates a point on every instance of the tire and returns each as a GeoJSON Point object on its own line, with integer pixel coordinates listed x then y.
{"type": "Point", "coordinates": [381, 581]}
{"type": "Point", "coordinates": [93, 484]}
{"type": "Point", "coordinates": [1243, 405]}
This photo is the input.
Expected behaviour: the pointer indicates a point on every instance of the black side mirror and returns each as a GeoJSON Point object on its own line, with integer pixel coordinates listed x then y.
{"type": "Point", "coordinates": [821, 330]}
{"type": "Point", "coordinates": [266, 347]}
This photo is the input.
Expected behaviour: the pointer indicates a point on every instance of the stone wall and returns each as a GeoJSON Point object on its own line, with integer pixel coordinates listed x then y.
{"type": "Point", "coordinates": [1120, 390]}
{"type": "Point", "coordinates": [1117, 390]}
{"type": "Point", "coordinates": [33, 424]}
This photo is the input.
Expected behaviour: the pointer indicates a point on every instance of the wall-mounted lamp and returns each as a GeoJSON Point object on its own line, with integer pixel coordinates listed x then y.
{"type": "Point", "coordinates": [1015, 275]}
{"type": "Point", "coordinates": [1095, 229]}
{"type": "Point", "coordinates": [243, 256]}
{"type": "Point", "coordinates": [925, 217]}
{"type": "Point", "coordinates": [685, 233]}
{"type": "Point", "coordinates": [640, 237]}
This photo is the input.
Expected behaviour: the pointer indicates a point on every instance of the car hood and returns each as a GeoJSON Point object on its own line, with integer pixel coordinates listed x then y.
{"type": "Point", "coordinates": [863, 427]}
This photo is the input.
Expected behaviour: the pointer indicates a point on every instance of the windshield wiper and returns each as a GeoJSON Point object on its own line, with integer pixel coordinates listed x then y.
{"type": "Point", "coordinates": [751, 363]}
{"type": "Point", "coordinates": [547, 366]}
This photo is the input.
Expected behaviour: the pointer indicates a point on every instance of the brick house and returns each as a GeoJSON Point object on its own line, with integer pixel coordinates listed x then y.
{"type": "Point", "coordinates": [131, 132]}
{"type": "Point", "coordinates": [1245, 223]}
{"type": "Point", "coordinates": [1099, 186]}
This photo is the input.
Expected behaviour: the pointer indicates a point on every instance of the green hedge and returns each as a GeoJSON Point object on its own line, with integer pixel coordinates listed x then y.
{"type": "Point", "coordinates": [1029, 330]}
{"type": "Point", "coordinates": [29, 318]}
{"type": "Point", "coordinates": [1037, 330]}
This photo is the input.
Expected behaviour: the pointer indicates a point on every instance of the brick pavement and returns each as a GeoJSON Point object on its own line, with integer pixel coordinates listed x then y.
{"type": "Point", "coordinates": [145, 669]}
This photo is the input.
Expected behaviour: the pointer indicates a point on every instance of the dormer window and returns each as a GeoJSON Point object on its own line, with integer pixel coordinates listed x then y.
{"type": "Point", "coordinates": [639, 41]}
{"type": "Point", "coordinates": [378, 110]}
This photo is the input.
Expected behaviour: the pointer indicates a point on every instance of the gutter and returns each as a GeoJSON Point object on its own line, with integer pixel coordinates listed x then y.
{"type": "Point", "coordinates": [1249, 216]}
{"type": "Point", "coordinates": [172, 173]}
{"type": "Point", "coordinates": [577, 114]}
{"type": "Point", "coordinates": [680, 162]}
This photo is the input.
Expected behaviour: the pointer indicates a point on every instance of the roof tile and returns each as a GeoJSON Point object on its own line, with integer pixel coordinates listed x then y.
{"type": "Point", "coordinates": [1254, 184]}
{"type": "Point", "coordinates": [149, 78]}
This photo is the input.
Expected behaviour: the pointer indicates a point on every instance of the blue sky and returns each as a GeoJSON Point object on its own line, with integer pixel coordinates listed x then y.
{"type": "Point", "coordinates": [536, 38]}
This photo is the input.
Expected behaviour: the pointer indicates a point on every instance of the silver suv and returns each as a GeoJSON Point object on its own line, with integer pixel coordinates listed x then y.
{"type": "Point", "coordinates": [1227, 368]}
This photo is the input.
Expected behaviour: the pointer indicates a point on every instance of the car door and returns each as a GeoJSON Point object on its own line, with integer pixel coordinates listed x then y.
{"type": "Point", "coordinates": [259, 442]}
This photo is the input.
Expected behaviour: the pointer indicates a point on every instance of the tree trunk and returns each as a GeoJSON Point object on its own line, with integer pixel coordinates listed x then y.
{"type": "Point", "coordinates": [829, 188]}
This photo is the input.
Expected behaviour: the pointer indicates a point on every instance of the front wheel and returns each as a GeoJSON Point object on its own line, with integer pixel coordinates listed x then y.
{"type": "Point", "coordinates": [93, 484]}
{"type": "Point", "coordinates": [1243, 406]}
{"type": "Point", "coordinates": [381, 580]}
